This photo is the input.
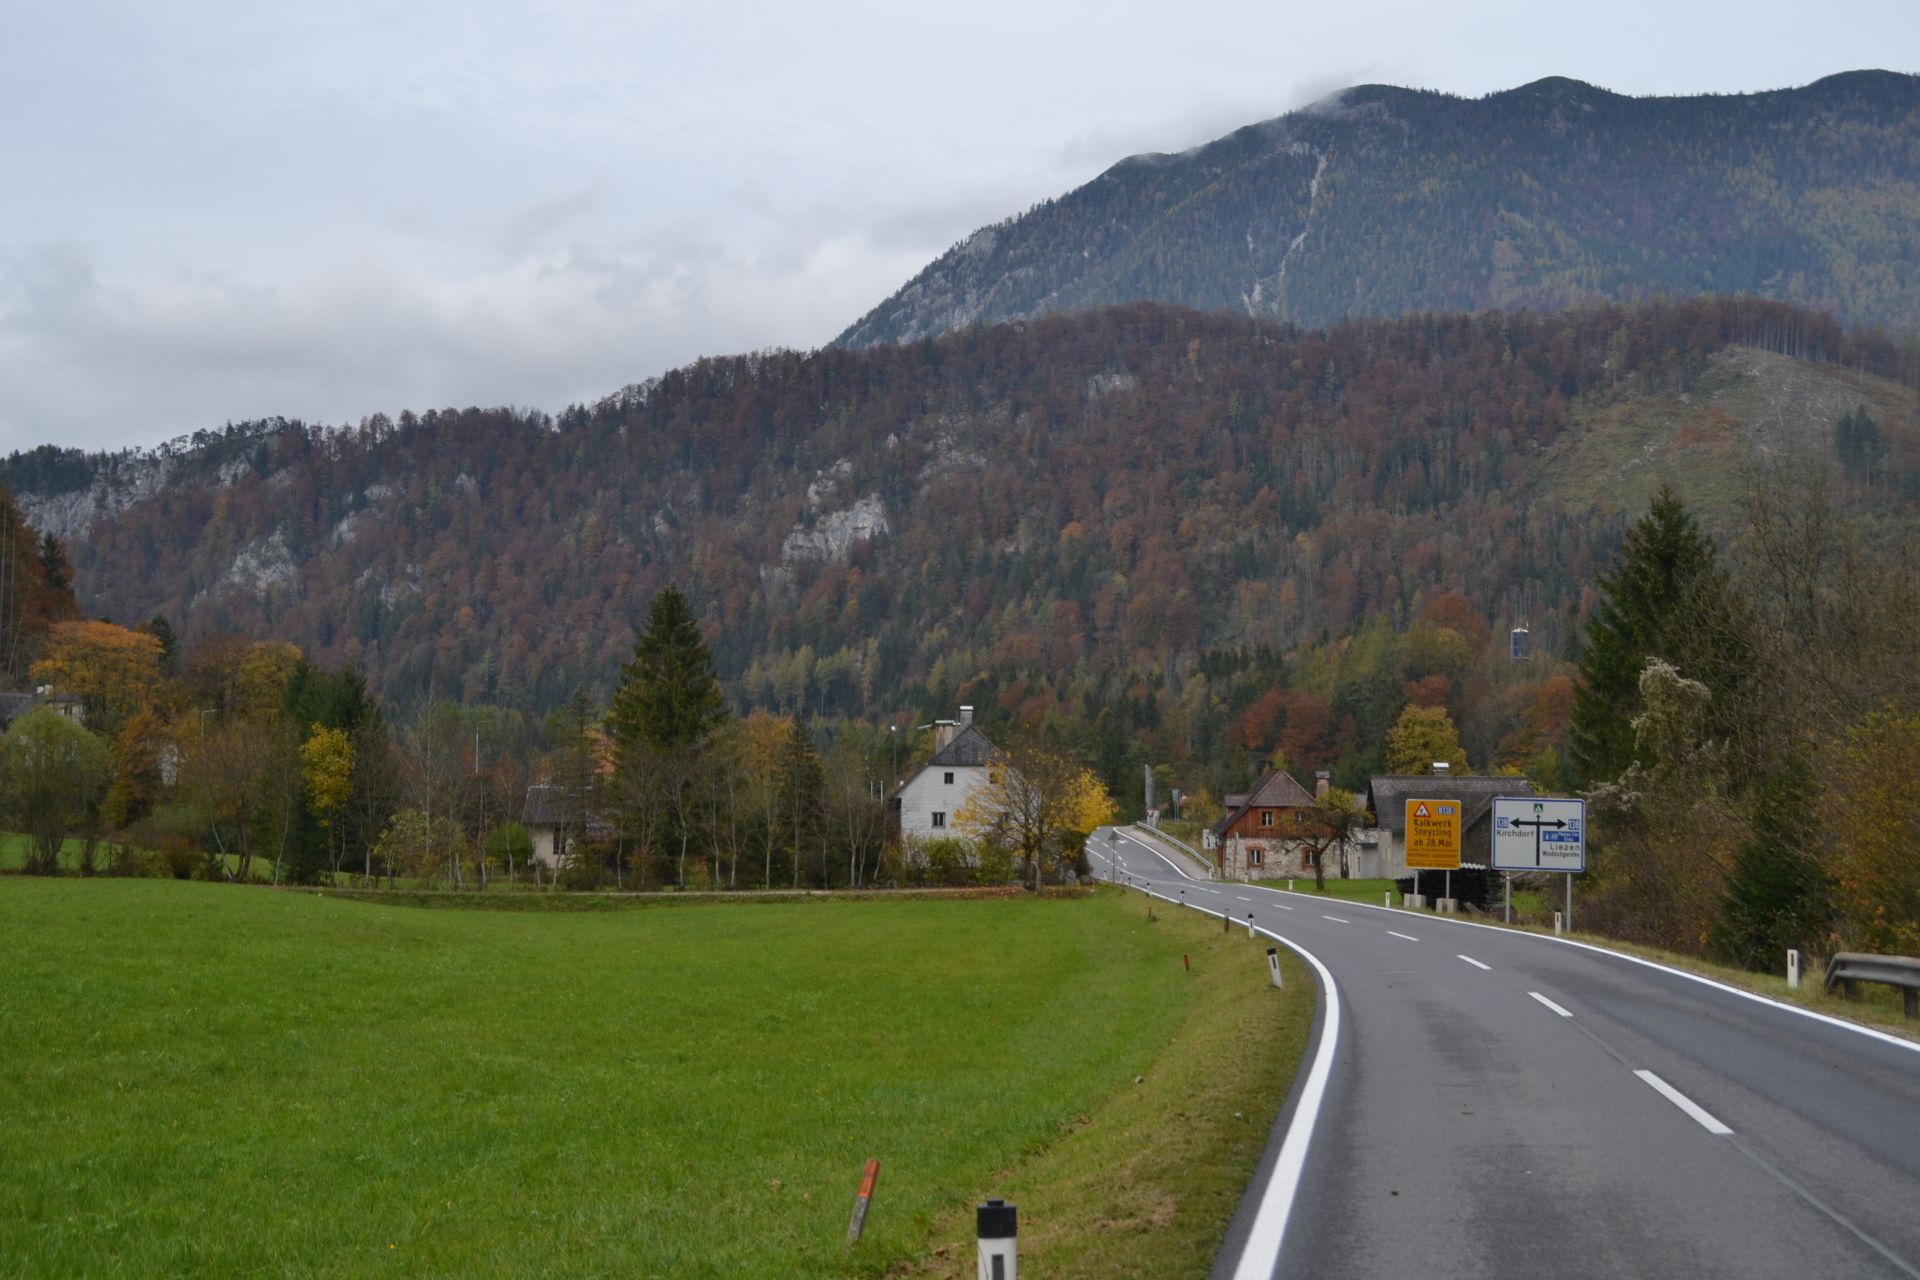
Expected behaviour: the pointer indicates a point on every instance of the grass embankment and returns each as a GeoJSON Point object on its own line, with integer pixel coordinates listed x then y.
{"type": "Point", "coordinates": [1349, 890]}
{"type": "Point", "coordinates": [1143, 1188]}
{"type": "Point", "coordinates": [205, 1080]}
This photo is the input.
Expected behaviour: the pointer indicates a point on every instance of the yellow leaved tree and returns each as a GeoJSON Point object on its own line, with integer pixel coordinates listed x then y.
{"type": "Point", "coordinates": [1039, 804]}
{"type": "Point", "coordinates": [326, 764]}
{"type": "Point", "coordinates": [113, 671]}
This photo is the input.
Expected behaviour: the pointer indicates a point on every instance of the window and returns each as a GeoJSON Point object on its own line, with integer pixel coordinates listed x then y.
{"type": "Point", "coordinates": [1266, 817]}
{"type": "Point", "coordinates": [939, 820]}
{"type": "Point", "coordinates": [1256, 856]}
{"type": "Point", "coordinates": [949, 778]}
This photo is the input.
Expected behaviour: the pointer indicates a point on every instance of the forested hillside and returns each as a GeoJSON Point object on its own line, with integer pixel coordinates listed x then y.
{"type": "Point", "coordinates": [1125, 516]}
{"type": "Point", "coordinates": [1382, 200]}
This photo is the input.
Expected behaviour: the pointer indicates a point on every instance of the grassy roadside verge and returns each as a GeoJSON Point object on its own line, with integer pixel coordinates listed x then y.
{"type": "Point", "coordinates": [1145, 1183]}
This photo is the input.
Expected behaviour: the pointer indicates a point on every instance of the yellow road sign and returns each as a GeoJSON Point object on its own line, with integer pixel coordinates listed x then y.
{"type": "Point", "coordinates": [1433, 835]}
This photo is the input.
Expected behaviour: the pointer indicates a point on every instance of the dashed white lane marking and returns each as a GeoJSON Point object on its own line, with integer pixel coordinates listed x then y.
{"type": "Point", "coordinates": [1283, 906]}
{"type": "Point", "coordinates": [1475, 963]}
{"type": "Point", "coordinates": [1550, 1004]}
{"type": "Point", "coordinates": [1336, 919]}
{"type": "Point", "coordinates": [1238, 898]}
{"type": "Point", "coordinates": [1409, 937]}
{"type": "Point", "coordinates": [1685, 1103]}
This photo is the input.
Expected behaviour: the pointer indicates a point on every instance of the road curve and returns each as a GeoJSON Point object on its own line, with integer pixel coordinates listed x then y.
{"type": "Point", "coordinates": [1499, 1104]}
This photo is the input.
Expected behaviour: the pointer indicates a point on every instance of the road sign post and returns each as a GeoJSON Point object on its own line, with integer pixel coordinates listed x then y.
{"type": "Point", "coordinates": [1539, 833]}
{"type": "Point", "coordinates": [1433, 838]}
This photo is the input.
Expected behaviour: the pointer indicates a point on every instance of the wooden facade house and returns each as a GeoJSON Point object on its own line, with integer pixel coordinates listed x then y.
{"type": "Point", "coordinates": [1253, 839]}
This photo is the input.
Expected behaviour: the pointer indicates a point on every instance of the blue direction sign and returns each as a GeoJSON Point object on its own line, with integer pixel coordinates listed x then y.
{"type": "Point", "coordinates": [1539, 833]}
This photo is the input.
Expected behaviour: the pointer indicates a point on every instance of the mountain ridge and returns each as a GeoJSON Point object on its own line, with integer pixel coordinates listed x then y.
{"type": "Point", "coordinates": [1422, 200]}
{"type": "Point", "coordinates": [1057, 503]}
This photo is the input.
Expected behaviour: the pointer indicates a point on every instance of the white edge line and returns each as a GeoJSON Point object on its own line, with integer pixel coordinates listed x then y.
{"type": "Point", "coordinates": [1475, 963]}
{"type": "Point", "coordinates": [1685, 1103]}
{"type": "Point", "coordinates": [1260, 1255]}
{"type": "Point", "coordinates": [1550, 1004]}
{"type": "Point", "coordinates": [1829, 1019]}
{"type": "Point", "coordinates": [1409, 937]}
{"type": "Point", "coordinates": [1155, 852]}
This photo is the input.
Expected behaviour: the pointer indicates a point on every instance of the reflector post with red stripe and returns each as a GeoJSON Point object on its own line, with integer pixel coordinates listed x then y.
{"type": "Point", "coordinates": [861, 1201]}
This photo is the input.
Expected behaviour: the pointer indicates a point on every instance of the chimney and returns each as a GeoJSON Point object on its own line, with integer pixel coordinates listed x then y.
{"type": "Point", "coordinates": [944, 731]}
{"type": "Point", "coordinates": [1439, 768]}
{"type": "Point", "coordinates": [966, 716]}
{"type": "Point", "coordinates": [1321, 781]}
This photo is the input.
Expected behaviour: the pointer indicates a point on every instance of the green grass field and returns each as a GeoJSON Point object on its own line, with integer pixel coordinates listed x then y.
{"type": "Point", "coordinates": [1350, 890]}
{"type": "Point", "coordinates": [210, 1080]}
{"type": "Point", "coordinates": [14, 848]}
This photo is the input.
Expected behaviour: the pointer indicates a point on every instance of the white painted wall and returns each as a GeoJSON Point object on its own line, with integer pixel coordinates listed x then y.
{"type": "Point", "coordinates": [929, 792]}
{"type": "Point", "coordinates": [543, 846]}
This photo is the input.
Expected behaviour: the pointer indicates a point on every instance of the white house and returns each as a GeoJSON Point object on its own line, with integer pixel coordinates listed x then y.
{"type": "Point", "coordinates": [546, 814]}
{"type": "Point", "coordinates": [928, 801]}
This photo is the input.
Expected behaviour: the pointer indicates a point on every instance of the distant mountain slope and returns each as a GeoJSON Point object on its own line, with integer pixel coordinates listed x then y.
{"type": "Point", "coordinates": [1025, 512]}
{"type": "Point", "coordinates": [1381, 201]}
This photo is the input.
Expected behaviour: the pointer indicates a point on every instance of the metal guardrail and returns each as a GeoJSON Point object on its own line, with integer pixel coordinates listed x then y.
{"type": "Point", "coordinates": [1850, 968]}
{"type": "Point", "coordinates": [1181, 845]}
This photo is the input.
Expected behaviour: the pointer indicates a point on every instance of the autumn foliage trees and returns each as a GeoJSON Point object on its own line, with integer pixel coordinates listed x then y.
{"type": "Point", "coordinates": [1750, 778]}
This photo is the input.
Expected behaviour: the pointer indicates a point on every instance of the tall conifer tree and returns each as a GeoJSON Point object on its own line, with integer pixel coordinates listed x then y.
{"type": "Point", "coordinates": [1667, 597]}
{"type": "Point", "coordinates": [668, 699]}
{"type": "Point", "coordinates": [803, 789]}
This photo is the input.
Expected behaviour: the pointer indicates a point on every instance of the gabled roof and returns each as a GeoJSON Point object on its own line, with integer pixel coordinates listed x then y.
{"type": "Point", "coordinates": [12, 705]}
{"type": "Point", "coordinates": [968, 748]}
{"type": "Point", "coordinates": [1277, 790]}
{"type": "Point", "coordinates": [1387, 796]}
{"type": "Point", "coordinates": [546, 807]}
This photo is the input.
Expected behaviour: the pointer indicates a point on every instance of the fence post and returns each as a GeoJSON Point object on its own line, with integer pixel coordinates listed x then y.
{"type": "Point", "coordinates": [997, 1225]}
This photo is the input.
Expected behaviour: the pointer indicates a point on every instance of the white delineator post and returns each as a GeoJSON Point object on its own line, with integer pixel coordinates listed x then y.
{"type": "Point", "coordinates": [1556, 924]}
{"type": "Point", "coordinates": [1273, 966]}
{"type": "Point", "coordinates": [997, 1225]}
{"type": "Point", "coordinates": [1793, 969]}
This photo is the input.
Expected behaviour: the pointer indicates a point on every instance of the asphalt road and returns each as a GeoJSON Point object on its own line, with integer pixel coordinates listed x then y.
{"type": "Point", "coordinates": [1497, 1104]}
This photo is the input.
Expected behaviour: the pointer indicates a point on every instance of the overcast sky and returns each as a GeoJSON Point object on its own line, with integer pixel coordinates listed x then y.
{"type": "Point", "coordinates": [226, 210]}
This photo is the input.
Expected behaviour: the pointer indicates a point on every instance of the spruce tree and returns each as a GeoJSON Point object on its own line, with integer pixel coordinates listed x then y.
{"type": "Point", "coordinates": [803, 799]}
{"type": "Point", "coordinates": [1667, 597]}
{"type": "Point", "coordinates": [669, 699]}
{"type": "Point", "coordinates": [1776, 892]}
{"type": "Point", "coordinates": [54, 567]}
{"type": "Point", "coordinates": [160, 629]}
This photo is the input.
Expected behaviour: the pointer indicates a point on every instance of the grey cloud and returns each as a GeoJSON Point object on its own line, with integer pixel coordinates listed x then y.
{"type": "Point", "coordinates": [134, 360]}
